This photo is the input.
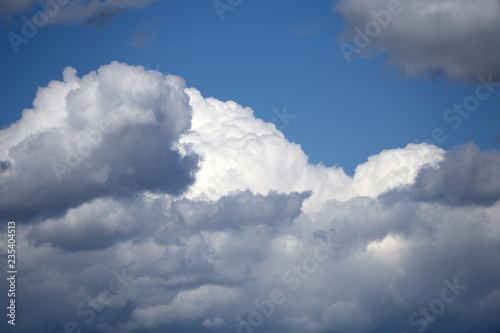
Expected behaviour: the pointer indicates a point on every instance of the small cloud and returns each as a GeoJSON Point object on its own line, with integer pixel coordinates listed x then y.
{"type": "Point", "coordinates": [101, 17]}
{"type": "Point", "coordinates": [146, 33]}
{"type": "Point", "coordinates": [307, 29]}
{"type": "Point", "coordinates": [87, 12]}
{"type": "Point", "coordinates": [213, 323]}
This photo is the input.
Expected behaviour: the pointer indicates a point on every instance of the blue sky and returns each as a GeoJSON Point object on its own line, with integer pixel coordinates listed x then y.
{"type": "Point", "coordinates": [265, 55]}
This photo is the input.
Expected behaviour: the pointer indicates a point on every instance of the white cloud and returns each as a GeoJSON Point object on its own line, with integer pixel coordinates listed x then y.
{"type": "Point", "coordinates": [189, 305]}
{"type": "Point", "coordinates": [214, 322]}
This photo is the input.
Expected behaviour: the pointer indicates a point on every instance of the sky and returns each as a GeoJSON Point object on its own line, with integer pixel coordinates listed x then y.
{"type": "Point", "coordinates": [251, 166]}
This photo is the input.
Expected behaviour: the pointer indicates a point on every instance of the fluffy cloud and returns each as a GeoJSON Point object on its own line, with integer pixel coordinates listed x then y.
{"type": "Point", "coordinates": [247, 237]}
{"type": "Point", "coordinates": [242, 152]}
{"type": "Point", "coordinates": [457, 38]}
{"type": "Point", "coordinates": [107, 133]}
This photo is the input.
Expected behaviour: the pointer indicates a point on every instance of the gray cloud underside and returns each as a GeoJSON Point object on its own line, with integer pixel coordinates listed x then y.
{"type": "Point", "coordinates": [93, 13]}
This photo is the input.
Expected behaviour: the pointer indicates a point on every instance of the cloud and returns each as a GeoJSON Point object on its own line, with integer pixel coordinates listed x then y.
{"type": "Point", "coordinates": [246, 236]}
{"type": "Point", "coordinates": [387, 262]}
{"type": "Point", "coordinates": [105, 134]}
{"type": "Point", "coordinates": [430, 37]}
{"type": "Point", "coordinates": [467, 176]}
{"type": "Point", "coordinates": [93, 13]}
{"type": "Point", "coordinates": [309, 28]}
{"type": "Point", "coordinates": [101, 17]}
{"type": "Point", "coordinates": [16, 6]}
{"type": "Point", "coordinates": [189, 304]}
{"type": "Point", "coordinates": [104, 222]}
{"type": "Point", "coordinates": [146, 33]}
{"type": "Point", "coordinates": [242, 152]}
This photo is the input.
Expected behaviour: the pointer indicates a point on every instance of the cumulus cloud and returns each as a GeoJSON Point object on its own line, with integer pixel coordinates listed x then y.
{"type": "Point", "coordinates": [107, 133]}
{"type": "Point", "coordinates": [247, 236]}
{"type": "Point", "coordinates": [94, 13]}
{"type": "Point", "coordinates": [456, 38]}
{"type": "Point", "coordinates": [103, 222]}
{"type": "Point", "coordinates": [242, 152]}
{"type": "Point", "coordinates": [386, 261]}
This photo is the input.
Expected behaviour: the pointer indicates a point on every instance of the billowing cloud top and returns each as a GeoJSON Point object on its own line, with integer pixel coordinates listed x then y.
{"type": "Point", "coordinates": [242, 152]}
{"type": "Point", "coordinates": [458, 38]}
{"type": "Point", "coordinates": [142, 206]}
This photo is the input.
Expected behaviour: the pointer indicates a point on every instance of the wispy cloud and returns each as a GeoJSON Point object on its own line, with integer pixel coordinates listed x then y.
{"type": "Point", "coordinates": [224, 218]}
{"type": "Point", "coordinates": [146, 33]}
